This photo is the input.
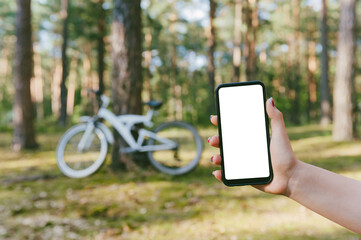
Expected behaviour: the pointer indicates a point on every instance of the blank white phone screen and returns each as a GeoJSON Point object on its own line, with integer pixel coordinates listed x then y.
{"type": "Point", "coordinates": [244, 137]}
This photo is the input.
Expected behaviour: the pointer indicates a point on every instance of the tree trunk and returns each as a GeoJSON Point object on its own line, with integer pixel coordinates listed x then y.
{"type": "Point", "coordinates": [295, 75]}
{"type": "Point", "coordinates": [211, 48]}
{"type": "Point", "coordinates": [251, 39]}
{"type": "Point", "coordinates": [36, 86]}
{"type": "Point", "coordinates": [147, 61]}
{"type": "Point", "coordinates": [55, 89]}
{"type": "Point", "coordinates": [237, 55]}
{"type": "Point", "coordinates": [72, 85]}
{"type": "Point", "coordinates": [63, 89]}
{"type": "Point", "coordinates": [86, 82]}
{"type": "Point", "coordinates": [127, 68]}
{"type": "Point", "coordinates": [255, 25]}
{"type": "Point", "coordinates": [311, 70]}
{"type": "Point", "coordinates": [342, 115]}
{"type": "Point", "coordinates": [24, 131]}
{"type": "Point", "coordinates": [325, 89]}
{"type": "Point", "coordinates": [4, 63]}
{"type": "Point", "coordinates": [176, 104]}
{"type": "Point", "coordinates": [175, 89]}
{"type": "Point", "coordinates": [101, 45]}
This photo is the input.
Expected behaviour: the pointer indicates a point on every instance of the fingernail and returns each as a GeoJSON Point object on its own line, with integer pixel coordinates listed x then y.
{"type": "Point", "coordinates": [212, 159]}
{"type": "Point", "coordinates": [213, 173]}
{"type": "Point", "coordinates": [210, 117]}
{"type": "Point", "coordinates": [273, 102]}
{"type": "Point", "coordinates": [209, 139]}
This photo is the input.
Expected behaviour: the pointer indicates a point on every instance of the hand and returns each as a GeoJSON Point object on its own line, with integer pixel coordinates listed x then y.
{"type": "Point", "coordinates": [331, 195]}
{"type": "Point", "coordinates": [282, 156]}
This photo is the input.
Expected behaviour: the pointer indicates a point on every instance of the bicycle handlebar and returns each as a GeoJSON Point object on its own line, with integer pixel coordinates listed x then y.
{"type": "Point", "coordinates": [104, 101]}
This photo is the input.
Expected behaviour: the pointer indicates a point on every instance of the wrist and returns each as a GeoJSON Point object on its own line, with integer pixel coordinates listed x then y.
{"type": "Point", "coordinates": [294, 179]}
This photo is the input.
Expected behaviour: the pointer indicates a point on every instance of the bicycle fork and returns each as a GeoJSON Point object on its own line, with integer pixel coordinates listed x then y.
{"type": "Point", "coordinates": [87, 137]}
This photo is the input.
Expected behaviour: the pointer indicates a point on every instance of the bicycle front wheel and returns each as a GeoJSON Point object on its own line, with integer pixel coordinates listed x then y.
{"type": "Point", "coordinates": [182, 159]}
{"type": "Point", "coordinates": [80, 154]}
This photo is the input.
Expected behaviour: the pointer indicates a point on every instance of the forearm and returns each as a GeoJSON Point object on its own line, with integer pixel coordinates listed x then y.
{"type": "Point", "coordinates": [333, 196]}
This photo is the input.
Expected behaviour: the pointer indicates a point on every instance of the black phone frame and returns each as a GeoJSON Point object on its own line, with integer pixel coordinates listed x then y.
{"type": "Point", "coordinates": [244, 181]}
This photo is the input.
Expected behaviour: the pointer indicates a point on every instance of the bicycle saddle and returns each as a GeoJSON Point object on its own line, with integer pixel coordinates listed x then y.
{"type": "Point", "coordinates": [154, 104]}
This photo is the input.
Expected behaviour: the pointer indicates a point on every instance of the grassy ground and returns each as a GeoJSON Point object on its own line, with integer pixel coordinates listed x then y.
{"type": "Point", "coordinates": [37, 202]}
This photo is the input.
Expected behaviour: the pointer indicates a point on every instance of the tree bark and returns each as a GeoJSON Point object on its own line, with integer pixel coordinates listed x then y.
{"type": "Point", "coordinates": [325, 89]}
{"type": "Point", "coordinates": [147, 61]}
{"type": "Point", "coordinates": [63, 89]}
{"type": "Point", "coordinates": [311, 70]}
{"type": "Point", "coordinates": [342, 114]}
{"type": "Point", "coordinates": [4, 63]}
{"type": "Point", "coordinates": [24, 131]}
{"type": "Point", "coordinates": [72, 85]}
{"type": "Point", "coordinates": [255, 25]}
{"type": "Point", "coordinates": [127, 69]}
{"type": "Point", "coordinates": [175, 104]}
{"type": "Point", "coordinates": [237, 54]}
{"type": "Point", "coordinates": [295, 74]}
{"type": "Point", "coordinates": [251, 39]}
{"type": "Point", "coordinates": [55, 89]}
{"type": "Point", "coordinates": [101, 45]}
{"type": "Point", "coordinates": [86, 96]}
{"type": "Point", "coordinates": [36, 86]}
{"type": "Point", "coordinates": [211, 49]}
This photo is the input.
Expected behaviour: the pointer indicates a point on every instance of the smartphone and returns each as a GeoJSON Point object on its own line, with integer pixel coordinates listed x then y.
{"type": "Point", "coordinates": [243, 134]}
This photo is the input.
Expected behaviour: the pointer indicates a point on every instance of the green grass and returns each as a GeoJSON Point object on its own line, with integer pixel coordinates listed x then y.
{"type": "Point", "coordinates": [38, 202]}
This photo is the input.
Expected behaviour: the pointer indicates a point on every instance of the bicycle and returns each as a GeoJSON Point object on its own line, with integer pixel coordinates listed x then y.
{"type": "Point", "coordinates": [173, 148]}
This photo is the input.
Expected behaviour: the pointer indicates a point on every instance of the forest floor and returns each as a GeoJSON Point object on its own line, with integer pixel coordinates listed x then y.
{"type": "Point", "coordinates": [38, 202]}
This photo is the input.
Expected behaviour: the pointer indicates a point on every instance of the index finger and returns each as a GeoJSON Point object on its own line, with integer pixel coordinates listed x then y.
{"type": "Point", "coordinates": [214, 120]}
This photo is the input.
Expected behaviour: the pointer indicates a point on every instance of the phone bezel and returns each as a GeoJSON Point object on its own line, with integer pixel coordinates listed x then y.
{"type": "Point", "coordinates": [244, 181]}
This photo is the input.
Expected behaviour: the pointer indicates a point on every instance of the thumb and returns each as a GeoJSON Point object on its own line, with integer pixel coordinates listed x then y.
{"type": "Point", "coordinates": [277, 122]}
{"type": "Point", "coordinates": [280, 143]}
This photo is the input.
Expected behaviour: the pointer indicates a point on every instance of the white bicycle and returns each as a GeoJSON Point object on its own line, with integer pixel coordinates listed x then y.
{"type": "Point", "coordinates": [173, 147]}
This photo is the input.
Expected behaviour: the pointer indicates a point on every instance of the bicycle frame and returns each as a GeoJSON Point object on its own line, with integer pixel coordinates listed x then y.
{"type": "Point", "coordinates": [123, 125]}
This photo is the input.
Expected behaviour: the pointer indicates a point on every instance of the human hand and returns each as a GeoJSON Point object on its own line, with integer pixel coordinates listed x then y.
{"type": "Point", "coordinates": [282, 156]}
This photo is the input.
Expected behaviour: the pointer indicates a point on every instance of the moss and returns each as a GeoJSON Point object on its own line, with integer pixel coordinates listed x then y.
{"type": "Point", "coordinates": [150, 205]}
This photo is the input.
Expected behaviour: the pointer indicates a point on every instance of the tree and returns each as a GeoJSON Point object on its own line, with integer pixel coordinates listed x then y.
{"type": "Point", "coordinates": [311, 59]}
{"type": "Point", "coordinates": [63, 89]}
{"type": "Point", "coordinates": [175, 106]}
{"type": "Point", "coordinates": [311, 69]}
{"type": "Point", "coordinates": [342, 93]}
{"type": "Point", "coordinates": [295, 75]}
{"type": "Point", "coordinates": [237, 41]}
{"type": "Point", "coordinates": [325, 89]}
{"type": "Point", "coordinates": [251, 39]}
{"type": "Point", "coordinates": [101, 45]}
{"type": "Point", "coordinates": [36, 85]}
{"type": "Point", "coordinates": [24, 131]}
{"type": "Point", "coordinates": [127, 69]}
{"type": "Point", "coordinates": [211, 48]}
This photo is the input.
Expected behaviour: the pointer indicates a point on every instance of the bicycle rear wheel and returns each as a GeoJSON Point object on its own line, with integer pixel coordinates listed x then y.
{"type": "Point", "coordinates": [77, 160]}
{"type": "Point", "coordinates": [185, 157]}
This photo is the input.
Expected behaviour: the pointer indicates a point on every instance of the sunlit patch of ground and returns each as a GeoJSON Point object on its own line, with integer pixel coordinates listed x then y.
{"type": "Point", "coordinates": [150, 205]}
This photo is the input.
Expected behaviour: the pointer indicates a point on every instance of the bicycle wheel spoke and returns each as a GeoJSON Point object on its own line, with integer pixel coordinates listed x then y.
{"type": "Point", "coordinates": [81, 159]}
{"type": "Point", "coordinates": [187, 154]}
{"type": "Point", "coordinates": [75, 162]}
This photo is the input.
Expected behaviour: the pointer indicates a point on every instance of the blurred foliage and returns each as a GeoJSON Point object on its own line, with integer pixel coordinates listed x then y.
{"type": "Point", "coordinates": [178, 48]}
